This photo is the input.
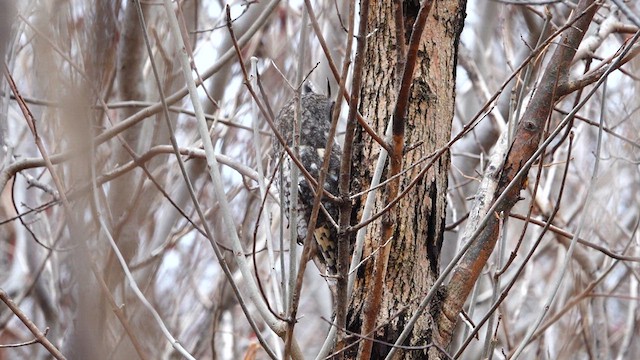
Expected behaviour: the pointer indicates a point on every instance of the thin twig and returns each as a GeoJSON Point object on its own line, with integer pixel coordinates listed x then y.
{"type": "Point", "coordinates": [306, 255]}
{"type": "Point", "coordinates": [40, 336]}
{"type": "Point", "coordinates": [525, 261]}
{"type": "Point", "coordinates": [336, 74]}
{"type": "Point", "coordinates": [278, 326]}
{"type": "Point", "coordinates": [344, 236]}
{"type": "Point", "coordinates": [509, 187]}
{"type": "Point", "coordinates": [214, 173]}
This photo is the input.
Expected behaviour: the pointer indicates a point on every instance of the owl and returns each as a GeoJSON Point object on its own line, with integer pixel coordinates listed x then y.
{"type": "Point", "coordinates": [315, 118]}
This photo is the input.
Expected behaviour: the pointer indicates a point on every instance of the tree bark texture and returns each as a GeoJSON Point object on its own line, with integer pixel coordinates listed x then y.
{"type": "Point", "coordinates": [420, 215]}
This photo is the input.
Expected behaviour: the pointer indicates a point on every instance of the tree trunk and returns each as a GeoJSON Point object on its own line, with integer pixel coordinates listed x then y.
{"type": "Point", "coordinates": [420, 215]}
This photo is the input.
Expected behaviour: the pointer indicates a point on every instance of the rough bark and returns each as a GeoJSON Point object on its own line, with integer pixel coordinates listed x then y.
{"type": "Point", "coordinates": [415, 246]}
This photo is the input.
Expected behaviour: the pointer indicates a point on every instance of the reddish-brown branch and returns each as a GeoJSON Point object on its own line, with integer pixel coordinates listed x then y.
{"type": "Point", "coordinates": [401, 46]}
{"type": "Point", "coordinates": [522, 266]}
{"type": "Point", "coordinates": [526, 141]}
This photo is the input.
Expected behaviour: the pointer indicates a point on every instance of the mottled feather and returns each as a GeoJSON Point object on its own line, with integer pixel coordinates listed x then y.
{"type": "Point", "coordinates": [315, 115]}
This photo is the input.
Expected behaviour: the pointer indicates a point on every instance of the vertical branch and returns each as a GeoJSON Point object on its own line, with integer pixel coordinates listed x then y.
{"type": "Point", "coordinates": [294, 173]}
{"type": "Point", "coordinates": [81, 262]}
{"type": "Point", "coordinates": [345, 236]}
{"type": "Point", "coordinates": [401, 46]}
{"type": "Point", "coordinates": [295, 278]}
{"type": "Point", "coordinates": [306, 255]}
